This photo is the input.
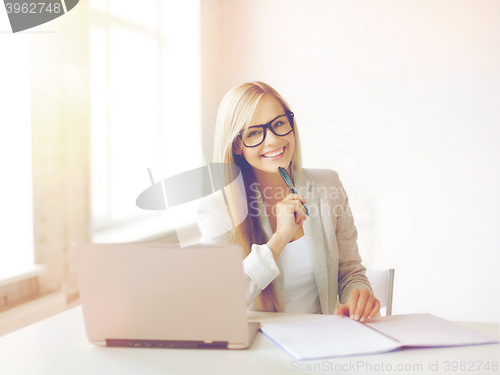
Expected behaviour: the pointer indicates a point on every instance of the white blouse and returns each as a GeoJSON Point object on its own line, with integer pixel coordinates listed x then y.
{"type": "Point", "coordinates": [301, 292]}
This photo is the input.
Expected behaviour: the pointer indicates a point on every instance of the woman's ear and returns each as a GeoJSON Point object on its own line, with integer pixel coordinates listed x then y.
{"type": "Point", "coordinates": [237, 147]}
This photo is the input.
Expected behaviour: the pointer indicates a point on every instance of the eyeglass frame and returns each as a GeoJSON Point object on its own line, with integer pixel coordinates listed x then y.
{"type": "Point", "coordinates": [288, 114]}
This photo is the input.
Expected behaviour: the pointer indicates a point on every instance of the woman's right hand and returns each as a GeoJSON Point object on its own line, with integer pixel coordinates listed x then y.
{"type": "Point", "coordinates": [290, 214]}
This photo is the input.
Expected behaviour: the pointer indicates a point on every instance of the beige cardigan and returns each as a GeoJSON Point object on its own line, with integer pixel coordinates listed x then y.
{"type": "Point", "coordinates": [331, 237]}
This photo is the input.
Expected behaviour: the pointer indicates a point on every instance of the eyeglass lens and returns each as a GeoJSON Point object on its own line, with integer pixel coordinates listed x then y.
{"type": "Point", "coordinates": [255, 135]}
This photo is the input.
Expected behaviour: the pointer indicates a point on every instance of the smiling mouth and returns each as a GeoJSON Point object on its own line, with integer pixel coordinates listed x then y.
{"type": "Point", "coordinates": [275, 154]}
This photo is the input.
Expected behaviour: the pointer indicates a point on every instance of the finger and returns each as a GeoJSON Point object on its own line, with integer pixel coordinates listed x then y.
{"type": "Point", "coordinates": [375, 310]}
{"type": "Point", "coordinates": [342, 310]}
{"type": "Point", "coordinates": [300, 207]}
{"type": "Point", "coordinates": [298, 210]}
{"type": "Point", "coordinates": [368, 308]}
{"type": "Point", "coordinates": [353, 302]}
{"type": "Point", "coordinates": [295, 205]}
{"type": "Point", "coordinates": [299, 217]}
{"type": "Point", "coordinates": [286, 208]}
{"type": "Point", "coordinates": [363, 297]}
{"type": "Point", "coordinates": [293, 196]}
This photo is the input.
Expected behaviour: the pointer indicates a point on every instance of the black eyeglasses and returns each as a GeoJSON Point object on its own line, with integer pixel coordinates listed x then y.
{"type": "Point", "coordinates": [255, 135]}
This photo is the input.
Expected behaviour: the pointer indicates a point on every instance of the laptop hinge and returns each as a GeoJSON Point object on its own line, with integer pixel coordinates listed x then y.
{"type": "Point", "coordinates": [180, 344]}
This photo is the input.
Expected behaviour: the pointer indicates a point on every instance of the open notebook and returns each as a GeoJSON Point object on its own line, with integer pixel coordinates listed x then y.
{"type": "Point", "coordinates": [339, 336]}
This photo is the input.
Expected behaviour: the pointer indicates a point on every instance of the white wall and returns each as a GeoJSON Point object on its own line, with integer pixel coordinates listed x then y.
{"type": "Point", "coordinates": [401, 98]}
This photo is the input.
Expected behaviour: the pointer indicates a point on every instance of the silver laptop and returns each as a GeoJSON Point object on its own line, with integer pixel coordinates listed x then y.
{"type": "Point", "coordinates": [163, 296]}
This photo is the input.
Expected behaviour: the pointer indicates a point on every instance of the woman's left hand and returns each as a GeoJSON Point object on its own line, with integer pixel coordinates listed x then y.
{"type": "Point", "coordinates": [361, 305]}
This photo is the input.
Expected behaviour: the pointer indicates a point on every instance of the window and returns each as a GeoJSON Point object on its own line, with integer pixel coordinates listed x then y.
{"type": "Point", "coordinates": [145, 108]}
{"type": "Point", "coordinates": [16, 203]}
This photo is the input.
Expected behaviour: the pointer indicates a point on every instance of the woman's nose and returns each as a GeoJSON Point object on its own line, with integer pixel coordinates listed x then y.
{"type": "Point", "coordinates": [271, 138]}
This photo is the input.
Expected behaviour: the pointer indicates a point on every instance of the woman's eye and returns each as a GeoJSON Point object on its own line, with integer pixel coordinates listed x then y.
{"type": "Point", "coordinates": [278, 124]}
{"type": "Point", "coordinates": [254, 133]}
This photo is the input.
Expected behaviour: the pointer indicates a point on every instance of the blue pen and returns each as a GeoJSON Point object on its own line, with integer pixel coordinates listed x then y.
{"type": "Point", "coordinates": [288, 182]}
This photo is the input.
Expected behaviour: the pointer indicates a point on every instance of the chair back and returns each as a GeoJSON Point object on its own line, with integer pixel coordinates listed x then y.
{"type": "Point", "coordinates": [382, 282]}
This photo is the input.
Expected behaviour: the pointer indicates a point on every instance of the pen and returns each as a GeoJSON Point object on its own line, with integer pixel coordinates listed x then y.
{"type": "Point", "coordinates": [288, 182]}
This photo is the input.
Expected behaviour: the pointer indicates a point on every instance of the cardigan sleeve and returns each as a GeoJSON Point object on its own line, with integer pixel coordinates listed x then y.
{"type": "Point", "coordinates": [259, 267]}
{"type": "Point", "coordinates": [352, 274]}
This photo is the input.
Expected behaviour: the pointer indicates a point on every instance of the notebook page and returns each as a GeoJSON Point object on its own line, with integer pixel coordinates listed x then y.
{"type": "Point", "coordinates": [333, 336]}
{"type": "Point", "coordinates": [427, 330]}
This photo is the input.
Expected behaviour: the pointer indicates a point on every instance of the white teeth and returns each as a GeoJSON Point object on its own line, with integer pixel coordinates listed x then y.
{"type": "Point", "coordinates": [273, 154]}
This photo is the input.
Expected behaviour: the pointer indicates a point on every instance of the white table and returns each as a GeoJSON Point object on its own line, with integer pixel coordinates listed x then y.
{"type": "Point", "coordinates": [58, 346]}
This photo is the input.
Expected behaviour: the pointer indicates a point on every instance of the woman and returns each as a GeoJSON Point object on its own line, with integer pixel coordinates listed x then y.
{"type": "Point", "coordinates": [293, 262]}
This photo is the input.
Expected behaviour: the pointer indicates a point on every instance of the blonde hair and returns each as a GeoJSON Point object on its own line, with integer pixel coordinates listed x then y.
{"type": "Point", "coordinates": [235, 112]}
